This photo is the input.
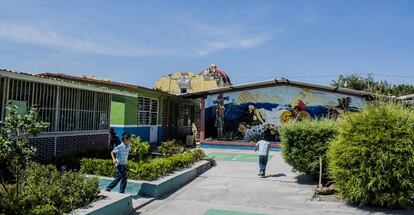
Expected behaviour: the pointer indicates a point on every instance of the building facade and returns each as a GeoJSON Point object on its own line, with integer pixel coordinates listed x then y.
{"type": "Point", "coordinates": [254, 111]}
{"type": "Point", "coordinates": [153, 115]}
{"type": "Point", "coordinates": [187, 82]}
{"type": "Point", "coordinates": [79, 115]}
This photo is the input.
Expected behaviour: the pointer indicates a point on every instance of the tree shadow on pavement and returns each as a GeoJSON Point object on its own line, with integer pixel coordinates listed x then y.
{"type": "Point", "coordinates": [373, 209]}
{"type": "Point", "coordinates": [305, 179]}
{"type": "Point", "coordinates": [275, 175]}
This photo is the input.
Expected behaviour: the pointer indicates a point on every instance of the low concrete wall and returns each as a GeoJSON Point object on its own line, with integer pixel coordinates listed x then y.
{"type": "Point", "coordinates": [113, 203]}
{"type": "Point", "coordinates": [211, 144]}
{"type": "Point", "coordinates": [173, 182]}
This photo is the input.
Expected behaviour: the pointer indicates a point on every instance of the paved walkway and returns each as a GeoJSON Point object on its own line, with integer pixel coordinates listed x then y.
{"type": "Point", "coordinates": [233, 188]}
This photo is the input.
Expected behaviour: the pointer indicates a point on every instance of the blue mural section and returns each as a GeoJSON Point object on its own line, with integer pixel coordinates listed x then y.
{"type": "Point", "coordinates": [258, 114]}
{"type": "Point", "coordinates": [142, 132]}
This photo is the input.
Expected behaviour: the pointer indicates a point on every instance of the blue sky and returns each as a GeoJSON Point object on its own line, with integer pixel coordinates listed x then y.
{"type": "Point", "coordinates": [139, 41]}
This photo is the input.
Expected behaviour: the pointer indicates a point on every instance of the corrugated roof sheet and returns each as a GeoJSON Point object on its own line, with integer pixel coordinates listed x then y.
{"type": "Point", "coordinates": [92, 80]}
{"type": "Point", "coordinates": [277, 82]}
{"type": "Point", "coordinates": [407, 97]}
{"type": "Point", "coordinates": [60, 82]}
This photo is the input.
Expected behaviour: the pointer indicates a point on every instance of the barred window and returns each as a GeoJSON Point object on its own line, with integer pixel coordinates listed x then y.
{"type": "Point", "coordinates": [83, 110]}
{"type": "Point", "coordinates": [26, 94]}
{"type": "Point", "coordinates": [65, 108]}
{"type": "Point", "coordinates": [186, 115]}
{"type": "Point", "coordinates": [2, 96]}
{"type": "Point", "coordinates": [147, 111]}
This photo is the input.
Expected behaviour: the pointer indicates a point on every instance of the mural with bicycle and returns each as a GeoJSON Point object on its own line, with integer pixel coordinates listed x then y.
{"type": "Point", "coordinates": [259, 113]}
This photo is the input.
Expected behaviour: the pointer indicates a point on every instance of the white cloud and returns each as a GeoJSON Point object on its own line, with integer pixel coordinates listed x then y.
{"type": "Point", "coordinates": [204, 40]}
{"type": "Point", "coordinates": [218, 38]}
{"type": "Point", "coordinates": [29, 34]}
{"type": "Point", "coordinates": [232, 43]}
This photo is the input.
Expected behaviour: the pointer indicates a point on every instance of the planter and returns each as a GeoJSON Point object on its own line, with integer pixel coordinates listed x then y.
{"type": "Point", "coordinates": [171, 183]}
{"type": "Point", "coordinates": [113, 203]}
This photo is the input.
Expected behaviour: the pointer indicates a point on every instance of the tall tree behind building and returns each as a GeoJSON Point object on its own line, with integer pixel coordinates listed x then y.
{"type": "Point", "coordinates": [369, 84]}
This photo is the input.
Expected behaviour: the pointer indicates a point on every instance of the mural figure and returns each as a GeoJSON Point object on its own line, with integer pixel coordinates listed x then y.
{"type": "Point", "coordinates": [299, 112]}
{"type": "Point", "coordinates": [251, 133]}
{"type": "Point", "coordinates": [253, 116]}
{"type": "Point", "coordinates": [220, 110]}
{"type": "Point", "coordinates": [253, 125]}
{"type": "Point", "coordinates": [344, 105]}
{"type": "Point", "coordinates": [260, 113]}
{"type": "Point", "coordinates": [221, 78]}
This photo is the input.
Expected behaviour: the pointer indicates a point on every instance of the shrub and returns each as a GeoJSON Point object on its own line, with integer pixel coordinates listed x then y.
{"type": "Point", "coordinates": [303, 142]}
{"type": "Point", "coordinates": [44, 190]}
{"type": "Point", "coordinates": [139, 149]}
{"type": "Point", "coordinates": [149, 171]}
{"type": "Point", "coordinates": [72, 161]}
{"type": "Point", "coordinates": [15, 149]}
{"type": "Point", "coordinates": [170, 148]}
{"type": "Point", "coordinates": [372, 159]}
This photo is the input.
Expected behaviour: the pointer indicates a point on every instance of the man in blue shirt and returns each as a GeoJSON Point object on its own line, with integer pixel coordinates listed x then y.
{"type": "Point", "coordinates": [121, 152]}
{"type": "Point", "coordinates": [263, 147]}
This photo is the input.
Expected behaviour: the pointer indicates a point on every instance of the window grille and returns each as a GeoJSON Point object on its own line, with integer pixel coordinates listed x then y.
{"type": "Point", "coordinates": [2, 96]}
{"type": "Point", "coordinates": [186, 115]}
{"type": "Point", "coordinates": [66, 109]}
{"type": "Point", "coordinates": [26, 94]}
{"type": "Point", "coordinates": [83, 110]}
{"type": "Point", "coordinates": [147, 111]}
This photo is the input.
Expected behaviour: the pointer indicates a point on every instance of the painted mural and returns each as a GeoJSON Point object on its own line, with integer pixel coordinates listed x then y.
{"type": "Point", "coordinates": [259, 113]}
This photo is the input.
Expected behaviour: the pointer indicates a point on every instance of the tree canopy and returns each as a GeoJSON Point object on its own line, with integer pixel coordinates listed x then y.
{"type": "Point", "coordinates": [369, 84]}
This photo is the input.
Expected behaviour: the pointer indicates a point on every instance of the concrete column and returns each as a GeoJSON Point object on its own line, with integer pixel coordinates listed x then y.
{"type": "Point", "coordinates": [202, 118]}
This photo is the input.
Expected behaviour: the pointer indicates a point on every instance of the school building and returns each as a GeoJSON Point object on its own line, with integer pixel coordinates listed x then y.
{"type": "Point", "coordinates": [248, 112]}
{"type": "Point", "coordinates": [153, 115]}
{"type": "Point", "coordinates": [81, 110]}
{"type": "Point", "coordinates": [79, 114]}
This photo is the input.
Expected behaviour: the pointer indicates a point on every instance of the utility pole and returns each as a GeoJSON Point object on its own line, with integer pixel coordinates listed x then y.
{"type": "Point", "coordinates": [169, 85]}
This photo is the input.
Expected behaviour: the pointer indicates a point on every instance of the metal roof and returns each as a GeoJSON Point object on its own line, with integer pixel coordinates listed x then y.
{"type": "Point", "coordinates": [60, 82]}
{"type": "Point", "coordinates": [61, 76]}
{"type": "Point", "coordinates": [406, 97]}
{"type": "Point", "coordinates": [277, 82]}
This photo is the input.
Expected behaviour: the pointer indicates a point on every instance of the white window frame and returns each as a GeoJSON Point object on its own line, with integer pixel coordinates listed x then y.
{"type": "Point", "coordinates": [150, 112]}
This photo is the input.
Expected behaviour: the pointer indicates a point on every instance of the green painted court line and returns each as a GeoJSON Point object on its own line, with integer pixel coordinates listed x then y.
{"type": "Point", "coordinates": [235, 157]}
{"type": "Point", "coordinates": [225, 212]}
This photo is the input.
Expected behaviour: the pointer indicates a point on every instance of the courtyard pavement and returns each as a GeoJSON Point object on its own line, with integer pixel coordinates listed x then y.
{"type": "Point", "coordinates": [233, 188]}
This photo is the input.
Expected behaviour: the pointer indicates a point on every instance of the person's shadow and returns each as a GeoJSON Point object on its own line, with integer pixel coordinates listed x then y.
{"type": "Point", "coordinates": [275, 175]}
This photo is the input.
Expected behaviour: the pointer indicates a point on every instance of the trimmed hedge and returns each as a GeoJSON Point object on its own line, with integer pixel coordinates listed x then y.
{"type": "Point", "coordinates": [372, 159]}
{"type": "Point", "coordinates": [170, 148]}
{"type": "Point", "coordinates": [303, 142]}
{"type": "Point", "coordinates": [72, 161]}
{"type": "Point", "coordinates": [44, 190]}
{"type": "Point", "coordinates": [139, 149]}
{"type": "Point", "coordinates": [148, 171]}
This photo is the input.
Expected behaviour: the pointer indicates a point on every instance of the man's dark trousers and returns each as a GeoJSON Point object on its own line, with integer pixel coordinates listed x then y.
{"type": "Point", "coordinates": [262, 163]}
{"type": "Point", "coordinates": [121, 175]}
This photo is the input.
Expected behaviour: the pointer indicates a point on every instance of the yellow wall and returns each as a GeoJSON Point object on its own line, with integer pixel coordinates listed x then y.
{"type": "Point", "coordinates": [198, 82]}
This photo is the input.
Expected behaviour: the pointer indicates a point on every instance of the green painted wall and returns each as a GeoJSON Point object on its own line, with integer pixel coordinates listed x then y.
{"type": "Point", "coordinates": [124, 110]}
{"type": "Point", "coordinates": [117, 113]}
{"type": "Point", "coordinates": [127, 115]}
{"type": "Point", "coordinates": [131, 111]}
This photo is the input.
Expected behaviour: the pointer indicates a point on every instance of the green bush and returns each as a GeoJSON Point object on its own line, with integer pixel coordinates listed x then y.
{"type": "Point", "coordinates": [139, 149]}
{"type": "Point", "coordinates": [372, 159]}
{"type": "Point", "coordinates": [170, 148]}
{"type": "Point", "coordinates": [72, 161]}
{"type": "Point", "coordinates": [44, 190]}
{"type": "Point", "coordinates": [148, 171]}
{"type": "Point", "coordinates": [303, 142]}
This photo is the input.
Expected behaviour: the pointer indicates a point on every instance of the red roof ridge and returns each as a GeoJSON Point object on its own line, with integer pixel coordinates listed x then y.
{"type": "Point", "coordinates": [85, 78]}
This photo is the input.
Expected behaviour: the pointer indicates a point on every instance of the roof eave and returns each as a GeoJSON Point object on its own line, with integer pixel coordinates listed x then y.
{"type": "Point", "coordinates": [95, 82]}
{"type": "Point", "coordinates": [34, 78]}
{"type": "Point", "coordinates": [276, 82]}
